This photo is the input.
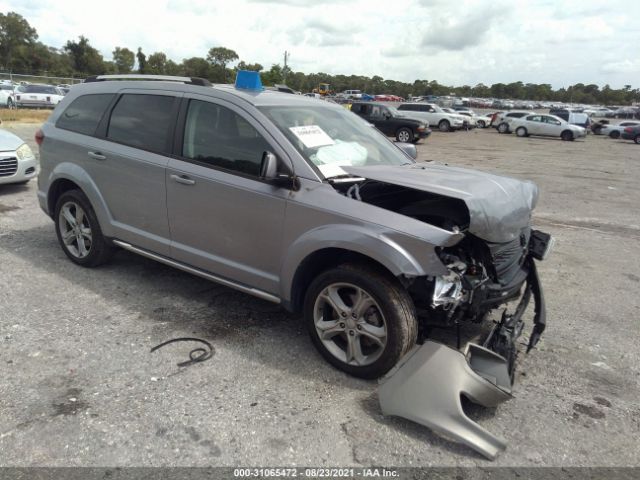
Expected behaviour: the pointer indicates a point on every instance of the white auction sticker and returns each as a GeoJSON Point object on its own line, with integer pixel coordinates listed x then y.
{"type": "Point", "coordinates": [312, 136]}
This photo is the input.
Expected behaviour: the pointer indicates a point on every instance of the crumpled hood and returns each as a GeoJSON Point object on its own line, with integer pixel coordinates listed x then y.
{"type": "Point", "coordinates": [499, 207]}
{"type": "Point", "coordinates": [8, 141]}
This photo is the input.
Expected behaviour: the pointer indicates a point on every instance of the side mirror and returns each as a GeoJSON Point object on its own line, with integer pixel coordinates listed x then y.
{"type": "Point", "coordinates": [408, 148]}
{"type": "Point", "coordinates": [269, 173]}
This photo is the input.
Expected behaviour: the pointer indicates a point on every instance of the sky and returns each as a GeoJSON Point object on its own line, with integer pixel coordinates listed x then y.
{"type": "Point", "coordinates": [456, 42]}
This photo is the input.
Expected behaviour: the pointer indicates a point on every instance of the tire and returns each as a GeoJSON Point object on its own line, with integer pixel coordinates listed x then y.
{"type": "Point", "coordinates": [444, 126]}
{"type": "Point", "coordinates": [404, 135]}
{"type": "Point", "coordinates": [85, 246]}
{"type": "Point", "coordinates": [387, 315]}
{"type": "Point", "coordinates": [522, 132]}
{"type": "Point", "coordinates": [503, 128]}
{"type": "Point", "coordinates": [567, 136]}
{"type": "Point", "coordinates": [637, 139]}
{"type": "Point", "coordinates": [614, 134]}
{"type": "Point", "coordinates": [481, 124]}
{"type": "Point", "coordinates": [10, 104]}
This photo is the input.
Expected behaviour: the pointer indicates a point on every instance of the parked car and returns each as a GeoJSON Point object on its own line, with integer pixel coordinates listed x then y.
{"type": "Point", "coordinates": [435, 115]}
{"type": "Point", "coordinates": [38, 96]}
{"type": "Point", "coordinates": [484, 120]}
{"type": "Point", "coordinates": [469, 120]}
{"type": "Point", "coordinates": [306, 206]}
{"type": "Point", "coordinates": [632, 133]}
{"type": "Point", "coordinates": [573, 116]}
{"type": "Point", "coordinates": [7, 95]}
{"type": "Point", "coordinates": [545, 125]}
{"type": "Point", "coordinates": [351, 94]}
{"type": "Point", "coordinates": [17, 162]}
{"type": "Point", "coordinates": [614, 131]}
{"type": "Point", "coordinates": [391, 122]}
{"type": "Point", "coordinates": [500, 120]}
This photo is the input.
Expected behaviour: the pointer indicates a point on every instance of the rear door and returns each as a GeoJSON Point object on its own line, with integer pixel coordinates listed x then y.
{"type": "Point", "coordinates": [223, 218]}
{"type": "Point", "coordinates": [128, 162]}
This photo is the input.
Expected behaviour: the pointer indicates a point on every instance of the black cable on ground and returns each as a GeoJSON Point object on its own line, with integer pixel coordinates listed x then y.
{"type": "Point", "coordinates": [196, 355]}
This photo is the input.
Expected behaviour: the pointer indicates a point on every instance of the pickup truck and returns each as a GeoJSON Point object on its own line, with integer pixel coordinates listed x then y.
{"type": "Point", "coordinates": [391, 122]}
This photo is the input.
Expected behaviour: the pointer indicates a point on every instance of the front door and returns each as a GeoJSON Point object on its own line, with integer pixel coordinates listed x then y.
{"type": "Point", "coordinates": [223, 218]}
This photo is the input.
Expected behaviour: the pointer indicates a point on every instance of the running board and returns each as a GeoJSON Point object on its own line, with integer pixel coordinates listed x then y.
{"type": "Point", "coordinates": [200, 273]}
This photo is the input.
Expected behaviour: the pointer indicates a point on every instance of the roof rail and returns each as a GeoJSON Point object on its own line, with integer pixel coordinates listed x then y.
{"type": "Point", "coordinates": [167, 78]}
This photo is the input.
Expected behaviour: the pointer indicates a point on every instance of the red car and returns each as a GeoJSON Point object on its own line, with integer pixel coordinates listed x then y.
{"type": "Point", "coordinates": [383, 98]}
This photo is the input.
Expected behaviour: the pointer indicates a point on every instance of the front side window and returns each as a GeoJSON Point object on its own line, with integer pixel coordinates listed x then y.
{"type": "Point", "coordinates": [331, 137]}
{"type": "Point", "coordinates": [219, 137]}
{"type": "Point", "coordinates": [84, 114]}
{"type": "Point", "coordinates": [142, 121]}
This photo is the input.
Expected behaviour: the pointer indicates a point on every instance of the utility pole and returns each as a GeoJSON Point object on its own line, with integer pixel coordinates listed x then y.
{"type": "Point", "coordinates": [284, 70]}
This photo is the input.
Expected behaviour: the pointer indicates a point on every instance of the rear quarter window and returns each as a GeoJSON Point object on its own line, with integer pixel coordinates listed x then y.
{"type": "Point", "coordinates": [84, 114]}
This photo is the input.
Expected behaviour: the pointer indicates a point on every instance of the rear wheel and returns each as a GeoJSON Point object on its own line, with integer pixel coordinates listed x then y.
{"type": "Point", "coordinates": [614, 134]}
{"type": "Point", "coordinates": [503, 128]}
{"type": "Point", "coordinates": [637, 139]}
{"type": "Point", "coordinates": [361, 320]}
{"type": "Point", "coordinates": [79, 232]}
{"type": "Point", "coordinates": [567, 136]}
{"type": "Point", "coordinates": [521, 132]}
{"type": "Point", "coordinates": [444, 126]}
{"type": "Point", "coordinates": [404, 135]}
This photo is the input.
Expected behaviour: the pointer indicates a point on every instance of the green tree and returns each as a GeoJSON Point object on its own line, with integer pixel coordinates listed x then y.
{"type": "Point", "coordinates": [124, 60]}
{"type": "Point", "coordinates": [85, 59]}
{"type": "Point", "coordinates": [157, 63]}
{"type": "Point", "coordinates": [256, 67]}
{"type": "Point", "coordinates": [15, 32]}
{"type": "Point", "coordinates": [220, 57]}
{"type": "Point", "coordinates": [196, 67]}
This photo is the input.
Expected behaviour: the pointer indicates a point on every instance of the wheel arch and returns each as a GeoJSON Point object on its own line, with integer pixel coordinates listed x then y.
{"type": "Point", "coordinates": [68, 176]}
{"type": "Point", "coordinates": [331, 245]}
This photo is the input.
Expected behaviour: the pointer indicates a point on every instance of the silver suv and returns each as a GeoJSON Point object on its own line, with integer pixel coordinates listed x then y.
{"type": "Point", "coordinates": [295, 201]}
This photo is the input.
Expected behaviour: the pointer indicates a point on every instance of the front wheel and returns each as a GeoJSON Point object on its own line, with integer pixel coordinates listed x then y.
{"type": "Point", "coordinates": [481, 124]}
{"type": "Point", "coordinates": [566, 136]}
{"type": "Point", "coordinates": [521, 132]}
{"type": "Point", "coordinates": [444, 126]}
{"type": "Point", "coordinates": [637, 139]}
{"type": "Point", "coordinates": [404, 135]}
{"type": "Point", "coordinates": [614, 134]}
{"type": "Point", "coordinates": [360, 320]}
{"type": "Point", "coordinates": [79, 232]}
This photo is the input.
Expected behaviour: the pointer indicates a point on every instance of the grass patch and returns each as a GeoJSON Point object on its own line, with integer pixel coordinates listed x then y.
{"type": "Point", "coordinates": [24, 115]}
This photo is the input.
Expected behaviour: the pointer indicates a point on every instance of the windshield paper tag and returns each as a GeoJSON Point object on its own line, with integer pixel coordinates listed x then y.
{"type": "Point", "coordinates": [312, 136]}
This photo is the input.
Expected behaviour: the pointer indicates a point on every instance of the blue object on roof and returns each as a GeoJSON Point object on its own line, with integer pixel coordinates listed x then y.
{"type": "Point", "coordinates": [248, 80]}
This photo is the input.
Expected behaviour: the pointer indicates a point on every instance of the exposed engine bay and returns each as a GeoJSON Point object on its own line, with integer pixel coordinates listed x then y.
{"type": "Point", "coordinates": [482, 276]}
{"type": "Point", "coordinates": [492, 266]}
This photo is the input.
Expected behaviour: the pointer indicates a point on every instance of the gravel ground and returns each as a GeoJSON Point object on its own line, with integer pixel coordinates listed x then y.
{"type": "Point", "coordinates": [79, 386]}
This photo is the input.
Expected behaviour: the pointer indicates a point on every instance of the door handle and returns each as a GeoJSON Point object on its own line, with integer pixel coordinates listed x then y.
{"type": "Point", "coordinates": [97, 155]}
{"type": "Point", "coordinates": [183, 179]}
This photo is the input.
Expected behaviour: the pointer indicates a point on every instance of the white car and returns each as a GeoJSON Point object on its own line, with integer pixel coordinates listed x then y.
{"type": "Point", "coordinates": [434, 115]}
{"type": "Point", "coordinates": [7, 96]}
{"type": "Point", "coordinates": [545, 125]}
{"type": "Point", "coordinates": [351, 94]}
{"type": "Point", "coordinates": [484, 120]}
{"type": "Point", "coordinates": [18, 164]}
{"type": "Point", "coordinates": [471, 121]}
{"type": "Point", "coordinates": [614, 131]}
{"type": "Point", "coordinates": [37, 96]}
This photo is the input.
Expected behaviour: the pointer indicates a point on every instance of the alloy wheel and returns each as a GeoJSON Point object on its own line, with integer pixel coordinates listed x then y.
{"type": "Point", "coordinates": [75, 230]}
{"type": "Point", "coordinates": [350, 324]}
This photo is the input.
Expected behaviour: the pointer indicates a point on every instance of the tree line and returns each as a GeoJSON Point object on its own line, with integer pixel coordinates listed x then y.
{"type": "Point", "coordinates": [22, 52]}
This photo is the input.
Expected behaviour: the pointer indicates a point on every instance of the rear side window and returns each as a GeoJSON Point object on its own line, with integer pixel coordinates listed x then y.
{"type": "Point", "coordinates": [84, 113]}
{"type": "Point", "coordinates": [218, 136]}
{"type": "Point", "coordinates": [142, 121]}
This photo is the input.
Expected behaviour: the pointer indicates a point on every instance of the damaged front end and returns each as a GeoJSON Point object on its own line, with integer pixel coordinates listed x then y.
{"type": "Point", "coordinates": [492, 267]}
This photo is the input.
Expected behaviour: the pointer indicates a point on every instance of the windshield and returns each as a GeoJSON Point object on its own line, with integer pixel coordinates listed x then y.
{"type": "Point", "coordinates": [332, 137]}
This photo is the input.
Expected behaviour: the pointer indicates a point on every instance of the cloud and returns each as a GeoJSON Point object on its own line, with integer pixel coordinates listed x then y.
{"type": "Point", "coordinates": [622, 66]}
{"type": "Point", "coordinates": [457, 31]}
{"type": "Point", "coordinates": [318, 32]}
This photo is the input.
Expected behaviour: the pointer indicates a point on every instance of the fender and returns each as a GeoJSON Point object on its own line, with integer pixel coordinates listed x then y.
{"type": "Point", "coordinates": [76, 174]}
{"type": "Point", "coordinates": [401, 254]}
